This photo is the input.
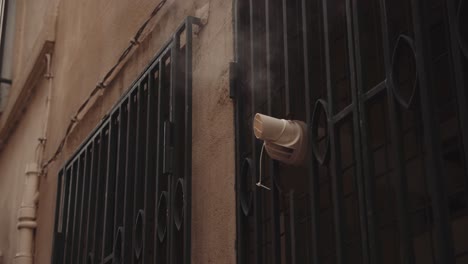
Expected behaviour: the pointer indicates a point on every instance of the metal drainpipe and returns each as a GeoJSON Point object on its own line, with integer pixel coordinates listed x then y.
{"type": "Point", "coordinates": [27, 216]}
{"type": "Point", "coordinates": [27, 213]}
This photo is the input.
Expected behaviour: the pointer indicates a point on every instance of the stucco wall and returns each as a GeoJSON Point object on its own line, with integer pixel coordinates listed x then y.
{"type": "Point", "coordinates": [89, 37]}
{"type": "Point", "coordinates": [16, 154]}
{"type": "Point", "coordinates": [31, 20]}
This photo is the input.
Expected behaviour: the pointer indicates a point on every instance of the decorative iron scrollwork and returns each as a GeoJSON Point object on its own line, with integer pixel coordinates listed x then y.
{"type": "Point", "coordinates": [320, 136]}
{"type": "Point", "coordinates": [117, 247]}
{"type": "Point", "coordinates": [246, 182]}
{"type": "Point", "coordinates": [162, 217]}
{"type": "Point", "coordinates": [404, 76]}
{"type": "Point", "coordinates": [139, 233]}
{"type": "Point", "coordinates": [179, 204]}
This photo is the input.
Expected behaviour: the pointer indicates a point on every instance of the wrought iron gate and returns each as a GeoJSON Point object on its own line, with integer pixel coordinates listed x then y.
{"type": "Point", "coordinates": [383, 87]}
{"type": "Point", "coordinates": [125, 196]}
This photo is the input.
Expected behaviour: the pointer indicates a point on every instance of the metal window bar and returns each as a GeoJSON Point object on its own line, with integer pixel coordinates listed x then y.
{"type": "Point", "coordinates": [386, 80]}
{"type": "Point", "coordinates": [124, 197]}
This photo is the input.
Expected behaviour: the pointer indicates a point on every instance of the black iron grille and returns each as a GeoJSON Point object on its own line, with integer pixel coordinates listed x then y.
{"type": "Point", "coordinates": [382, 85]}
{"type": "Point", "coordinates": [125, 196]}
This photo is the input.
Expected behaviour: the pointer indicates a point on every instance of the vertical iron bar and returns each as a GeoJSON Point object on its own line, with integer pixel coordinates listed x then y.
{"type": "Point", "coordinates": [72, 243]}
{"type": "Point", "coordinates": [129, 180]}
{"type": "Point", "coordinates": [95, 201]}
{"type": "Point", "coordinates": [100, 199]}
{"type": "Point", "coordinates": [94, 180]}
{"type": "Point", "coordinates": [71, 220]}
{"type": "Point", "coordinates": [83, 175]}
{"type": "Point", "coordinates": [159, 140]}
{"type": "Point", "coordinates": [460, 83]}
{"type": "Point", "coordinates": [238, 105]}
{"type": "Point", "coordinates": [401, 188]}
{"type": "Point", "coordinates": [140, 144]}
{"type": "Point", "coordinates": [273, 166]}
{"type": "Point", "coordinates": [235, 26]}
{"type": "Point", "coordinates": [163, 101]}
{"type": "Point", "coordinates": [86, 205]}
{"type": "Point", "coordinates": [57, 243]}
{"type": "Point", "coordinates": [257, 191]}
{"type": "Point", "coordinates": [365, 175]}
{"type": "Point", "coordinates": [150, 182]}
{"type": "Point", "coordinates": [120, 169]}
{"type": "Point", "coordinates": [136, 181]}
{"type": "Point", "coordinates": [141, 162]}
{"type": "Point", "coordinates": [292, 228]}
{"type": "Point", "coordinates": [286, 57]}
{"type": "Point", "coordinates": [334, 160]}
{"type": "Point", "coordinates": [361, 158]}
{"type": "Point", "coordinates": [313, 171]}
{"type": "Point", "coordinates": [109, 196]}
{"type": "Point", "coordinates": [174, 103]}
{"type": "Point", "coordinates": [434, 165]}
{"type": "Point", "coordinates": [337, 191]}
{"type": "Point", "coordinates": [105, 202]}
{"type": "Point", "coordinates": [66, 210]}
{"type": "Point", "coordinates": [188, 141]}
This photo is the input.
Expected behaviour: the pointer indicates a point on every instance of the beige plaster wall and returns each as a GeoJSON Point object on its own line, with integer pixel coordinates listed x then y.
{"type": "Point", "coordinates": [89, 38]}
{"type": "Point", "coordinates": [33, 18]}
{"type": "Point", "coordinates": [16, 154]}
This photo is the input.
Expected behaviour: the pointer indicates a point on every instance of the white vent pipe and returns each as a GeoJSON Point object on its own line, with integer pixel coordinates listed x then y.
{"type": "Point", "coordinates": [285, 140]}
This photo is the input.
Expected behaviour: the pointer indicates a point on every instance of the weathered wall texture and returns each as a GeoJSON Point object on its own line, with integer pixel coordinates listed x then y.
{"type": "Point", "coordinates": [34, 19]}
{"type": "Point", "coordinates": [89, 37]}
{"type": "Point", "coordinates": [16, 154]}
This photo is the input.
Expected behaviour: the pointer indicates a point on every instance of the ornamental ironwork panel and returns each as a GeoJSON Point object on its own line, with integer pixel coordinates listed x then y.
{"type": "Point", "coordinates": [382, 86]}
{"type": "Point", "coordinates": [125, 195]}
